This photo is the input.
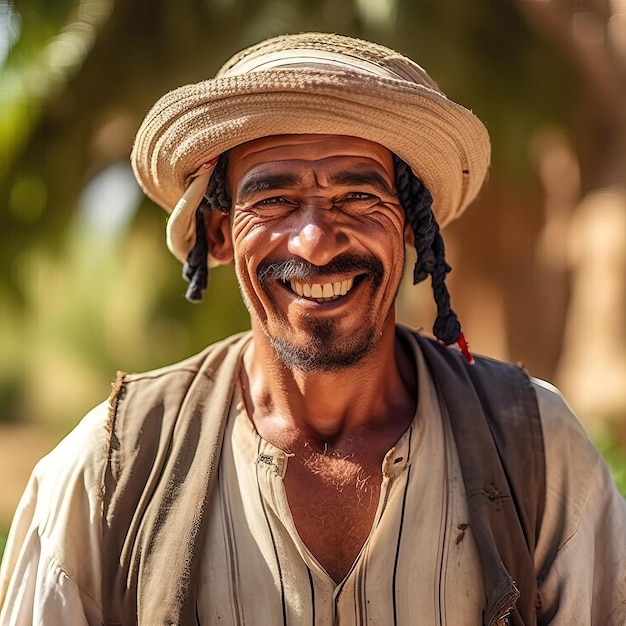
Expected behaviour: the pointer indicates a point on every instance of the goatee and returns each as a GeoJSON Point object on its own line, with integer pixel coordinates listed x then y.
{"type": "Point", "coordinates": [324, 349]}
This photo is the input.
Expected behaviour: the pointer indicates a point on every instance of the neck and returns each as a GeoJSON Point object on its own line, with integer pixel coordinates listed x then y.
{"type": "Point", "coordinates": [289, 405]}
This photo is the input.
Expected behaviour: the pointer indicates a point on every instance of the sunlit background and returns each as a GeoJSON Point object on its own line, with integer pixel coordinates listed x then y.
{"type": "Point", "coordinates": [87, 286]}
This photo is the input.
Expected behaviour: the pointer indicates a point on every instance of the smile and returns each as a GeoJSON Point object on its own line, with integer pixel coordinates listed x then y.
{"type": "Point", "coordinates": [322, 292]}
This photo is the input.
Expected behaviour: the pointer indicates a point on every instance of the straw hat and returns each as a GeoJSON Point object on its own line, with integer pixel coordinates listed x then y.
{"type": "Point", "coordinates": [307, 84]}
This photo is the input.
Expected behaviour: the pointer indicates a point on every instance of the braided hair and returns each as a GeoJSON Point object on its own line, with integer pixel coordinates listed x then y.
{"type": "Point", "coordinates": [195, 268]}
{"type": "Point", "coordinates": [417, 203]}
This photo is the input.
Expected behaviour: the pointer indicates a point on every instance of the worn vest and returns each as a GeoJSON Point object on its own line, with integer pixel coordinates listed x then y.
{"type": "Point", "coordinates": [165, 436]}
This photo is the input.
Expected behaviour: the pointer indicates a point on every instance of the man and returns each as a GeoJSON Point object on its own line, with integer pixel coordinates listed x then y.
{"type": "Point", "coordinates": [329, 466]}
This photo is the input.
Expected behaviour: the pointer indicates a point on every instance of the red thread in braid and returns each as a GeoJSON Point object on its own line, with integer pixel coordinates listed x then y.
{"type": "Point", "coordinates": [465, 349]}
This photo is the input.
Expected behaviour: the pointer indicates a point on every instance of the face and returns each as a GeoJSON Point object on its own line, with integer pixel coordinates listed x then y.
{"type": "Point", "coordinates": [318, 244]}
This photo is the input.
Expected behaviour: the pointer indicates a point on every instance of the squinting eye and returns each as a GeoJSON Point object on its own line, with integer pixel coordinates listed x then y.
{"type": "Point", "coordinates": [360, 195]}
{"type": "Point", "coordinates": [274, 200]}
{"type": "Point", "coordinates": [358, 202]}
{"type": "Point", "coordinates": [274, 206]}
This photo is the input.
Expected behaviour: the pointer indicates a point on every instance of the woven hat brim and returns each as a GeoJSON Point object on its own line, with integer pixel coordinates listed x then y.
{"type": "Point", "coordinates": [446, 146]}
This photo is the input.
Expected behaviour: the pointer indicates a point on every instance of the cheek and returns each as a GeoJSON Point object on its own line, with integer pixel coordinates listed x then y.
{"type": "Point", "coordinates": [390, 229]}
{"type": "Point", "coordinates": [252, 243]}
{"type": "Point", "coordinates": [246, 239]}
{"type": "Point", "coordinates": [389, 215]}
{"type": "Point", "coordinates": [242, 225]}
{"type": "Point", "coordinates": [390, 243]}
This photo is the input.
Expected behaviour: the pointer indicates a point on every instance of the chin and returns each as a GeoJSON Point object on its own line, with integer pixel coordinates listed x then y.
{"type": "Point", "coordinates": [322, 351]}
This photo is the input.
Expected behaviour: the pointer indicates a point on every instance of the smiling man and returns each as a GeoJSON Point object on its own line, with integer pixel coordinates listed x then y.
{"type": "Point", "coordinates": [315, 214]}
{"type": "Point", "coordinates": [330, 466]}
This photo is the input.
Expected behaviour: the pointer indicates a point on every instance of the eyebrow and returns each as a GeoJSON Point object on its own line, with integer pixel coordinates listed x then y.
{"type": "Point", "coordinates": [362, 177]}
{"type": "Point", "coordinates": [261, 182]}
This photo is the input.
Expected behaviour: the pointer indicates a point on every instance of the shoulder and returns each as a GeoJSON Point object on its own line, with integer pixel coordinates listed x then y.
{"type": "Point", "coordinates": [561, 427]}
{"type": "Point", "coordinates": [583, 533]}
{"type": "Point", "coordinates": [57, 521]}
{"type": "Point", "coordinates": [579, 484]}
{"type": "Point", "coordinates": [571, 457]}
{"type": "Point", "coordinates": [169, 385]}
{"type": "Point", "coordinates": [67, 487]}
{"type": "Point", "coordinates": [483, 365]}
{"type": "Point", "coordinates": [158, 397]}
{"type": "Point", "coordinates": [70, 475]}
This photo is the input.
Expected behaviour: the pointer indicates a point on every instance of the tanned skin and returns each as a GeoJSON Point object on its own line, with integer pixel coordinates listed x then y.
{"type": "Point", "coordinates": [324, 378]}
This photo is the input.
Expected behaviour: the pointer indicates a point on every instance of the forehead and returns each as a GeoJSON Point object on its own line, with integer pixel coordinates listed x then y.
{"type": "Point", "coordinates": [310, 151]}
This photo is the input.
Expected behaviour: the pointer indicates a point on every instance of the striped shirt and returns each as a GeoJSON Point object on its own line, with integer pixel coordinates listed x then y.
{"type": "Point", "coordinates": [417, 563]}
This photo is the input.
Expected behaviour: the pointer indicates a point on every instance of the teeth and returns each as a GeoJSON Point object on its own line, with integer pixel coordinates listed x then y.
{"type": "Point", "coordinates": [322, 290]}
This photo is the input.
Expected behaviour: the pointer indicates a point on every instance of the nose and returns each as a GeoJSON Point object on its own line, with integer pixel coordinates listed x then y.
{"type": "Point", "coordinates": [317, 237]}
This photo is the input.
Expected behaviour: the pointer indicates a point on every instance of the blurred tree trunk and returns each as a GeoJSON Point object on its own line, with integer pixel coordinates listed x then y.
{"type": "Point", "coordinates": [591, 37]}
{"type": "Point", "coordinates": [484, 55]}
{"type": "Point", "coordinates": [539, 259]}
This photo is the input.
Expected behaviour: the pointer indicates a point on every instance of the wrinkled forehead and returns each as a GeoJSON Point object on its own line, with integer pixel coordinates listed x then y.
{"type": "Point", "coordinates": [313, 151]}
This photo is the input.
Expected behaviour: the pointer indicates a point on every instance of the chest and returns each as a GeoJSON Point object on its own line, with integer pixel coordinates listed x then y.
{"type": "Point", "coordinates": [333, 503]}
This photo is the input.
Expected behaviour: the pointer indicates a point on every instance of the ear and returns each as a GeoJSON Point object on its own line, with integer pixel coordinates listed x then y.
{"type": "Point", "coordinates": [219, 237]}
{"type": "Point", "coordinates": [409, 235]}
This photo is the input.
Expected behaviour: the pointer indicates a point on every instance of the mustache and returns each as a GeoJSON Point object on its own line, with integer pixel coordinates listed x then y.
{"type": "Point", "coordinates": [303, 271]}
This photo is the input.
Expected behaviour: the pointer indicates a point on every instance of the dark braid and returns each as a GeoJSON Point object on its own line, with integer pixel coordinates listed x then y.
{"type": "Point", "coordinates": [217, 194]}
{"type": "Point", "coordinates": [195, 268]}
{"type": "Point", "coordinates": [417, 203]}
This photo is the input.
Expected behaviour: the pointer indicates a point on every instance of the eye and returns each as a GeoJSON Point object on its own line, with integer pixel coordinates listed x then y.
{"type": "Point", "coordinates": [274, 202]}
{"type": "Point", "coordinates": [269, 201]}
{"type": "Point", "coordinates": [360, 195]}
{"type": "Point", "coordinates": [273, 206]}
{"type": "Point", "coordinates": [357, 202]}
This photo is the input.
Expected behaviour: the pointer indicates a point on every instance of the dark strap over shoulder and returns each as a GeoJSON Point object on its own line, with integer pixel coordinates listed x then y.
{"type": "Point", "coordinates": [495, 419]}
{"type": "Point", "coordinates": [157, 483]}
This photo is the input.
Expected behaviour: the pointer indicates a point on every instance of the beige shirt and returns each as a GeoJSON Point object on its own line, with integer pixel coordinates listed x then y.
{"type": "Point", "coordinates": [257, 570]}
{"type": "Point", "coordinates": [418, 565]}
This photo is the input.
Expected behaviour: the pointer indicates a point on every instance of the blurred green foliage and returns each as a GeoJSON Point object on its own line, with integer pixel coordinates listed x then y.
{"type": "Point", "coordinates": [86, 288]}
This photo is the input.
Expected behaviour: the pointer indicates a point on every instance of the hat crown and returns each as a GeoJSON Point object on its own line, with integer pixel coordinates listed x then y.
{"type": "Point", "coordinates": [319, 50]}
